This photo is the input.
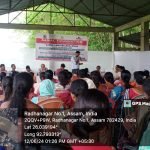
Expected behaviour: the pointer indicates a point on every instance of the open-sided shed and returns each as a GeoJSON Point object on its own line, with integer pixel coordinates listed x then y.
{"type": "Point", "coordinates": [118, 14]}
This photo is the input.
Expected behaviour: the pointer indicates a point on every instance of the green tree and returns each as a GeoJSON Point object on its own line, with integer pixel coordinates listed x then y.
{"type": "Point", "coordinates": [97, 41]}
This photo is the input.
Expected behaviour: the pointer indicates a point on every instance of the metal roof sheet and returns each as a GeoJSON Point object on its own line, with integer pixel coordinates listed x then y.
{"type": "Point", "coordinates": [111, 12]}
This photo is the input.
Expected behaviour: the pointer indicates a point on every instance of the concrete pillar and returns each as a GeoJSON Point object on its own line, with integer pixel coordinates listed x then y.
{"type": "Point", "coordinates": [144, 45]}
{"type": "Point", "coordinates": [115, 41]}
{"type": "Point", "coordinates": [51, 62]}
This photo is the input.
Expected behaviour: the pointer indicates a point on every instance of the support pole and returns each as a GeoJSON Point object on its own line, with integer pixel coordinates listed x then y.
{"type": "Point", "coordinates": [144, 36]}
{"type": "Point", "coordinates": [115, 41]}
{"type": "Point", "coordinates": [51, 62]}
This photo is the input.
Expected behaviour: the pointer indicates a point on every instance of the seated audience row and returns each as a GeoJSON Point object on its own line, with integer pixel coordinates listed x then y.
{"type": "Point", "coordinates": [85, 92]}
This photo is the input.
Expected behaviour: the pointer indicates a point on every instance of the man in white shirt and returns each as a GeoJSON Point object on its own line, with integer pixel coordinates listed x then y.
{"type": "Point", "coordinates": [75, 61]}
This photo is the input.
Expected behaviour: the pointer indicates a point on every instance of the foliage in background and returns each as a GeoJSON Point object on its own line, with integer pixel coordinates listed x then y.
{"type": "Point", "coordinates": [97, 41]}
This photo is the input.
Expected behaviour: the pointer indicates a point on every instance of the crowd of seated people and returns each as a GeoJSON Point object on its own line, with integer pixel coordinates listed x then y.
{"type": "Point", "coordinates": [104, 95]}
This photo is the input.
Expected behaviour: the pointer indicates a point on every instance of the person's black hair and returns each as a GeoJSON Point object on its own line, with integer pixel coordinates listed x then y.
{"type": "Point", "coordinates": [146, 86]}
{"type": "Point", "coordinates": [49, 74]}
{"type": "Point", "coordinates": [139, 77]}
{"type": "Point", "coordinates": [27, 67]}
{"type": "Point", "coordinates": [78, 87]}
{"type": "Point", "coordinates": [117, 66]}
{"type": "Point", "coordinates": [109, 77]}
{"type": "Point", "coordinates": [2, 75]}
{"type": "Point", "coordinates": [2, 65]}
{"type": "Point", "coordinates": [92, 100]}
{"type": "Point", "coordinates": [62, 65]}
{"type": "Point", "coordinates": [23, 82]}
{"type": "Point", "coordinates": [126, 76]}
{"type": "Point", "coordinates": [82, 73]}
{"type": "Point", "coordinates": [42, 75]}
{"type": "Point", "coordinates": [66, 70]}
{"type": "Point", "coordinates": [96, 78]}
{"type": "Point", "coordinates": [64, 77]}
{"type": "Point", "coordinates": [69, 75]}
{"type": "Point", "coordinates": [12, 65]}
{"type": "Point", "coordinates": [77, 52]}
{"type": "Point", "coordinates": [87, 70]}
{"type": "Point", "coordinates": [7, 85]}
{"type": "Point", "coordinates": [146, 73]}
{"type": "Point", "coordinates": [122, 68]}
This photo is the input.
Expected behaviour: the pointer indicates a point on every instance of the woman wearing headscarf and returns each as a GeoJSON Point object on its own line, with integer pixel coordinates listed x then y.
{"type": "Point", "coordinates": [47, 90]}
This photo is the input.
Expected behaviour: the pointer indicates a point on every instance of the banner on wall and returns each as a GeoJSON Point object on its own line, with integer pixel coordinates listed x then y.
{"type": "Point", "coordinates": [60, 47]}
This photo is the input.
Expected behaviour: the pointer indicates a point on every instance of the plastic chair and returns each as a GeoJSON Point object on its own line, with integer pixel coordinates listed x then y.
{"type": "Point", "coordinates": [51, 103]}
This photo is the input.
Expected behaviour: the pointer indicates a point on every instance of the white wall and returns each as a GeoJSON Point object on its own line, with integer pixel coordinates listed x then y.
{"type": "Point", "coordinates": [132, 60]}
{"type": "Point", "coordinates": [104, 59]}
{"type": "Point", "coordinates": [22, 56]}
{"type": "Point", "coordinates": [14, 50]}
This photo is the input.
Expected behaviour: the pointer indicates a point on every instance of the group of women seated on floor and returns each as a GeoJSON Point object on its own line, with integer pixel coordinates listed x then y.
{"type": "Point", "coordinates": [104, 95]}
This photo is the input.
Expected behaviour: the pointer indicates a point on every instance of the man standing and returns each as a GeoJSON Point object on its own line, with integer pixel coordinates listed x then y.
{"type": "Point", "coordinates": [75, 61]}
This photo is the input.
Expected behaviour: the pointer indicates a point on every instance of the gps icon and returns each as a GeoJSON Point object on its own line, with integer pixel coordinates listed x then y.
{"type": "Point", "coordinates": [127, 103]}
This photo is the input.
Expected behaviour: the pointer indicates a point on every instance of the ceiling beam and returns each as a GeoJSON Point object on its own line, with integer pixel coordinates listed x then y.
{"type": "Point", "coordinates": [133, 23]}
{"type": "Point", "coordinates": [129, 49]}
{"type": "Point", "coordinates": [124, 7]}
{"type": "Point", "coordinates": [55, 27]}
{"type": "Point", "coordinates": [130, 42]}
{"type": "Point", "coordinates": [105, 6]}
{"type": "Point", "coordinates": [128, 12]}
